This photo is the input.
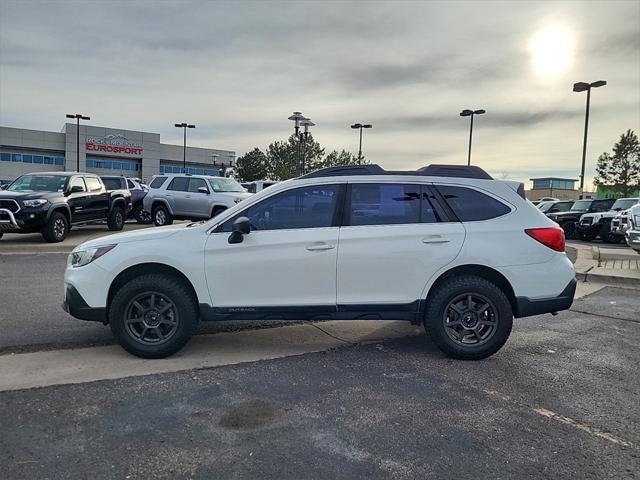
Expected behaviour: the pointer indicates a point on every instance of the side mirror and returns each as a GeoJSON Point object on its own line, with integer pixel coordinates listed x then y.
{"type": "Point", "coordinates": [203, 190]}
{"type": "Point", "coordinates": [241, 226]}
{"type": "Point", "coordinates": [76, 189]}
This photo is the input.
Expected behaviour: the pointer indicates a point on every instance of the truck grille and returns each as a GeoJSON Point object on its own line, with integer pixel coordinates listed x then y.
{"type": "Point", "coordinates": [10, 205]}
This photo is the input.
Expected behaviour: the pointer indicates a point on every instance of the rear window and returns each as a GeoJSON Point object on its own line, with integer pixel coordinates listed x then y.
{"type": "Point", "coordinates": [470, 205]}
{"type": "Point", "coordinates": [157, 182]}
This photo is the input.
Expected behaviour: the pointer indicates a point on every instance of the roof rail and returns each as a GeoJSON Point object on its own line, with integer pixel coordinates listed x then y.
{"type": "Point", "coordinates": [460, 171]}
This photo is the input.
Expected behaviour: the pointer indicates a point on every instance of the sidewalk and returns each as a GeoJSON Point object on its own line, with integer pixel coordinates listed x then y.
{"type": "Point", "coordinates": [614, 266]}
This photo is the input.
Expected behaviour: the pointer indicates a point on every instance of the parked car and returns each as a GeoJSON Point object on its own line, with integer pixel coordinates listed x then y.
{"type": "Point", "coordinates": [51, 202]}
{"type": "Point", "coordinates": [598, 224]}
{"type": "Point", "coordinates": [632, 234]}
{"type": "Point", "coordinates": [545, 199]}
{"type": "Point", "coordinates": [190, 197]}
{"type": "Point", "coordinates": [445, 246]}
{"type": "Point", "coordinates": [117, 186]}
{"type": "Point", "coordinates": [258, 185]}
{"type": "Point", "coordinates": [619, 227]}
{"type": "Point", "coordinates": [555, 206]}
{"type": "Point", "coordinates": [138, 192]}
{"type": "Point", "coordinates": [569, 220]}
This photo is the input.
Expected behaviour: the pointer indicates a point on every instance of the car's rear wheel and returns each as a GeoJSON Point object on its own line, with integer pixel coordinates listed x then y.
{"type": "Point", "coordinates": [115, 220]}
{"type": "Point", "coordinates": [468, 317]}
{"type": "Point", "coordinates": [569, 230]}
{"type": "Point", "coordinates": [153, 316]}
{"type": "Point", "coordinates": [161, 216]}
{"type": "Point", "coordinates": [56, 228]}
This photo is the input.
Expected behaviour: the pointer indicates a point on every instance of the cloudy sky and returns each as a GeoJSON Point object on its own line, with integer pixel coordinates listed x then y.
{"type": "Point", "coordinates": [238, 69]}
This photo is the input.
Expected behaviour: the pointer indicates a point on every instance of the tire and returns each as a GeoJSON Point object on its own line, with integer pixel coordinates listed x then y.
{"type": "Point", "coordinates": [141, 215]}
{"type": "Point", "coordinates": [587, 237]}
{"type": "Point", "coordinates": [217, 211]}
{"type": "Point", "coordinates": [115, 219]}
{"type": "Point", "coordinates": [56, 228]}
{"type": "Point", "coordinates": [492, 333]}
{"type": "Point", "coordinates": [161, 216]}
{"type": "Point", "coordinates": [142, 338]}
{"type": "Point", "coordinates": [569, 230]}
{"type": "Point", "coordinates": [605, 229]}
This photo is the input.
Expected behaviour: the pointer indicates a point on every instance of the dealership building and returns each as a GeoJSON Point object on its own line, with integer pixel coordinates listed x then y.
{"type": "Point", "coordinates": [102, 150]}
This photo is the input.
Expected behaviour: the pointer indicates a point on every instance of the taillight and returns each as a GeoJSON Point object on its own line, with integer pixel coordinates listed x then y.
{"type": "Point", "coordinates": [552, 237]}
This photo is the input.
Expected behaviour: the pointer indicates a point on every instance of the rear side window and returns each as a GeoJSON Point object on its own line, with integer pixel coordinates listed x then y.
{"type": "Point", "coordinates": [470, 205]}
{"type": "Point", "coordinates": [93, 184]}
{"type": "Point", "coordinates": [131, 185]}
{"type": "Point", "coordinates": [180, 184]}
{"type": "Point", "coordinates": [157, 182]}
{"type": "Point", "coordinates": [383, 204]}
{"type": "Point", "coordinates": [112, 183]}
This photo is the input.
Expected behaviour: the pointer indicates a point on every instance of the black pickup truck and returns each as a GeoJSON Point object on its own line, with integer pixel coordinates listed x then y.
{"type": "Point", "coordinates": [51, 202]}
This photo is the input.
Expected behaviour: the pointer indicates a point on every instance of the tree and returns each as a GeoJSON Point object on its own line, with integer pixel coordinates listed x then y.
{"type": "Point", "coordinates": [252, 165]}
{"type": "Point", "coordinates": [337, 159]}
{"type": "Point", "coordinates": [283, 157]}
{"type": "Point", "coordinates": [620, 171]}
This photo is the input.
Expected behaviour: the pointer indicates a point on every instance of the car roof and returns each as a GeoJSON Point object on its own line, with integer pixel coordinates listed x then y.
{"type": "Point", "coordinates": [434, 170]}
{"type": "Point", "coordinates": [63, 174]}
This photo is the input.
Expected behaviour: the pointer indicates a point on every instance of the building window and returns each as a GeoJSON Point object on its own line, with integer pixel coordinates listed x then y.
{"type": "Point", "coordinates": [112, 164]}
{"type": "Point", "coordinates": [5, 157]}
{"type": "Point", "coordinates": [28, 158]}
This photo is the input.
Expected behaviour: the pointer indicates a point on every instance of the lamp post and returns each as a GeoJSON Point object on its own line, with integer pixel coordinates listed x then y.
{"type": "Point", "coordinates": [581, 87]}
{"type": "Point", "coordinates": [184, 127]}
{"type": "Point", "coordinates": [297, 117]}
{"type": "Point", "coordinates": [470, 113]}
{"type": "Point", "coordinates": [306, 123]}
{"type": "Point", "coordinates": [78, 117]}
{"type": "Point", "coordinates": [360, 126]}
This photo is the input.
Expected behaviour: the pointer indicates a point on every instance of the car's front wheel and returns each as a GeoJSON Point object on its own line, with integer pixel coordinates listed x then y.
{"type": "Point", "coordinates": [153, 316]}
{"type": "Point", "coordinates": [468, 317]}
{"type": "Point", "coordinates": [56, 228]}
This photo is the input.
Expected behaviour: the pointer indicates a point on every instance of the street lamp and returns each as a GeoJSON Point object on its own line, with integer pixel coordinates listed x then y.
{"type": "Point", "coordinates": [581, 87]}
{"type": "Point", "coordinates": [297, 117]}
{"type": "Point", "coordinates": [78, 117]}
{"type": "Point", "coordinates": [470, 113]}
{"type": "Point", "coordinates": [306, 123]}
{"type": "Point", "coordinates": [184, 126]}
{"type": "Point", "coordinates": [360, 126]}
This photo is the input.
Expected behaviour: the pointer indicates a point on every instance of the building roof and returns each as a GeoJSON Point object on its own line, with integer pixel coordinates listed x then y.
{"type": "Point", "coordinates": [555, 178]}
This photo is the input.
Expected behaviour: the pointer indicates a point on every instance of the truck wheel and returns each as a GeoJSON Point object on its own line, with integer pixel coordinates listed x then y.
{"type": "Point", "coordinates": [587, 237]}
{"type": "Point", "coordinates": [605, 229]}
{"type": "Point", "coordinates": [569, 230]}
{"type": "Point", "coordinates": [141, 215]}
{"type": "Point", "coordinates": [161, 216]}
{"type": "Point", "coordinates": [115, 220]}
{"type": "Point", "coordinates": [217, 211]}
{"type": "Point", "coordinates": [468, 317]}
{"type": "Point", "coordinates": [153, 316]}
{"type": "Point", "coordinates": [56, 228]}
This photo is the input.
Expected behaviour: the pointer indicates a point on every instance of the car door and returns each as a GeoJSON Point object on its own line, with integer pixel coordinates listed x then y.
{"type": "Point", "coordinates": [97, 199]}
{"type": "Point", "coordinates": [78, 201]}
{"type": "Point", "coordinates": [287, 260]}
{"type": "Point", "coordinates": [394, 237]}
{"type": "Point", "coordinates": [177, 195]}
{"type": "Point", "coordinates": [196, 202]}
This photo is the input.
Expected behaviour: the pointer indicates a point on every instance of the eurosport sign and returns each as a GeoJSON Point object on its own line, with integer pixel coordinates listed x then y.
{"type": "Point", "coordinates": [117, 144]}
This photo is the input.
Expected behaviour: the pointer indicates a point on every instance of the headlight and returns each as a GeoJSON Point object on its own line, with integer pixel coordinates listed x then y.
{"type": "Point", "coordinates": [79, 258]}
{"type": "Point", "coordinates": [636, 221]}
{"type": "Point", "coordinates": [34, 203]}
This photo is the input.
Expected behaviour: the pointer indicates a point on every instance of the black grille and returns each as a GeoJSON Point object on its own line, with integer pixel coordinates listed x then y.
{"type": "Point", "coordinates": [10, 205]}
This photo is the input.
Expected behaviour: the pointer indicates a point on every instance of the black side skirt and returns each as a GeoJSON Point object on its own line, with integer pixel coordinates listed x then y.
{"type": "Point", "coordinates": [526, 307]}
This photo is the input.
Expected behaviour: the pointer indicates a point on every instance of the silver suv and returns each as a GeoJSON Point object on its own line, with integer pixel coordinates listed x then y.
{"type": "Point", "coordinates": [190, 197]}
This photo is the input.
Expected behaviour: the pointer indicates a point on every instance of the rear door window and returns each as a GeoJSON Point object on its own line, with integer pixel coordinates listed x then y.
{"type": "Point", "coordinates": [112, 183]}
{"type": "Point", "coordinates": [179, 184]}
{"type": "Point", "coordinates": [383, 204]}
{"type": "Point", "coordinates": [470, 205]}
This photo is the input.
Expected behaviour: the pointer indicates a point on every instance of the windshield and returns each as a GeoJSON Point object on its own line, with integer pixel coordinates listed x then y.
{"type": "Point", "coordinates": [546, 206]}
{"type": "Point", "coordinates": [39, 183]}
{"type": "Point", "coordinates": [623, 204]}
{"type": "Point", "coordinates": [225, 185]}
{"type": "Point", "coordinates": [581, 206]}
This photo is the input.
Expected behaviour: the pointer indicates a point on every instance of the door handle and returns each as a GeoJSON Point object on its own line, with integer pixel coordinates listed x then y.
{"type": "Point", "coordinates": [435, 239]}
{"type": "Point", "coordinates": [316, 247]}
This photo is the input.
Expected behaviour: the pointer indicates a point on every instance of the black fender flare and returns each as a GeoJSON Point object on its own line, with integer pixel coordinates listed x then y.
{"type": "Point", "coordinates": [60, 206]}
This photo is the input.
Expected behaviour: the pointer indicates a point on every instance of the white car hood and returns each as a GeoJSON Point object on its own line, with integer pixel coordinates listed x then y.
{"type": "Point", "coordinates": [152, 233]}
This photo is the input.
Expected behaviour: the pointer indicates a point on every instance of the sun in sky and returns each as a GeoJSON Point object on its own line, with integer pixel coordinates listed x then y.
{"type": "Point", "coordinates": [552, 51]}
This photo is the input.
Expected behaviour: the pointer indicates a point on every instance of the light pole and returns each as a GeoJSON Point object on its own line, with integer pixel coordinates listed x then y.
{"type": "Point", "coordinates": [184, 127]}
{"type": "Point", "coordinates": [581, 87]}
{"type": "Point", "coordinates": [78, 117]}
{"type": "Point", "coordinates": [297, 117]}
{"type": "Point", "coordinates": [360, 126]}
{"type": "Point", "coordinates": [470, 113]}
{"type": "Point", "coordinates": [306, 123]}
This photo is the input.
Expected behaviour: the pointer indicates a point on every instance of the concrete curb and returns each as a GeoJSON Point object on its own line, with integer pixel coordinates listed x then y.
{"type": "Point", "coordinates": [587, 266]}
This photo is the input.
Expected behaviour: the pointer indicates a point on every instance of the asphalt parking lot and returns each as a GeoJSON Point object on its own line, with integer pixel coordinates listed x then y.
{"type": "Point", "coordinates": [560, 400]}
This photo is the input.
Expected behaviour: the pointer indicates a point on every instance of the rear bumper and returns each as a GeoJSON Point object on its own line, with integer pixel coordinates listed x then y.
{"type": "Point", "coordinates": [76, 306]}
{"type": "Point", "coordinates": [526, 307]}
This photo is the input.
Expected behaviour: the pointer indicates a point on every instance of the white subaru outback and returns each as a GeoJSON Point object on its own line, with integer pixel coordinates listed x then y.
{"type": "Point", "coordinates": [445, 246]}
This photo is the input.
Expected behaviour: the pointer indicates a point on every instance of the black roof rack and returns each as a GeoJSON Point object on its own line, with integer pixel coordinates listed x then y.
{"type": "Point", "coordinates": [460, 171]}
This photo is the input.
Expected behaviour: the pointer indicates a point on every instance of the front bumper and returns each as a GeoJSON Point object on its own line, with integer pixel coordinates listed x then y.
{"type": "Point", "coordinates": [24, 220]}
{"type": "Point", "coordinates": [633, 239]}
{"type": "Point", "coordinates": [76, 306]}
{"type": "Point", "coordinates": [526, 307]}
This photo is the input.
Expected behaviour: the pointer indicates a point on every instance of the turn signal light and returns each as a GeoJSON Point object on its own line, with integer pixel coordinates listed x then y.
{"type": "Point", "coordinates": [552, 237]}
